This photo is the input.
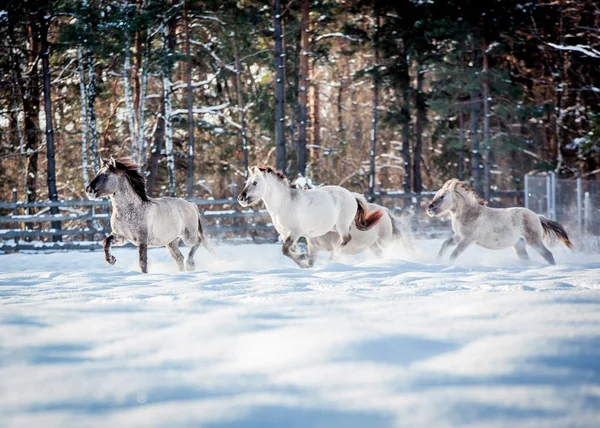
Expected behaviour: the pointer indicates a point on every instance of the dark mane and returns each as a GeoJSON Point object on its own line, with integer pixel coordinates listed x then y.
{"type": "Point", "coordinates": [280, 175]}
{"type": "Point", "coordinates": [131, 170]}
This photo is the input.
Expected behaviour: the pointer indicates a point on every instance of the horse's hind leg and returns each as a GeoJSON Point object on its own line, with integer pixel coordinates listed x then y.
{"type": "Point", "coordinates": [533, 237]}
{"type": "Point", "coordinates": [544, 252]}
{"type": "Point", "coordinates": [194, 240]}
{"type": "Point", "coordinates": [173, 247]}
{"type": "Point", "coordinates": [377, 249]}
{"type": "Point", "coordinates": [189, 262]}
{"type": "Point", "coordinates": [521, 250]}
{"type": "Point", "coordinates": [345, 236]}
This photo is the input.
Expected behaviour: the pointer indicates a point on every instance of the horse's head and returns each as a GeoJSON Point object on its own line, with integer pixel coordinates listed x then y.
{"type": "Point", "coordinates": [255, 187]}
{"type": "Point", "coordinates": [442, 202]}
{"type": "Point", "coordinates": [105, 183]}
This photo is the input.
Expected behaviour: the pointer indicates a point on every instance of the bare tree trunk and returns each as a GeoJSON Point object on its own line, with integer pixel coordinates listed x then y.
{"type": "Point", "coordinates": [461, 149]}
{"type": "Point", "coordinates": [279, 88]}
{"type": "Point", "coordinates": [315, 121]}
{"type": "Point", "coordinates": [19, 94]}
{"type": "Point", "coordinates": [19, 129]}
{"type": "Point", "coordinates": [374, 105]}
{"type": "Point", "coordinates": [129, 97]}
{"type": "Point", "coordinates": [475, 155]}
{"type": "Point", "coordinates": [91, 106]}
{"type": "Point", "coordinates": [303, 88]}
{"type": "Point", "coordinates": [31, 110]}
{"type": "Point", "coordinates": [142, 144]}
{"type": "Point", "coordinates": [43, 22]}
{"type": "Point", "coordinates": [166, 76]}
{"type": "Point", "coordinates": [240, 99]}
{"type": "Point", "coordinates": [340, 112]}
{"type": "Point", "coordinates": [190, 104]}
{"type": "Point", "coordinates": [83, 117]}
{"type": "Point", "coordinates": [157, 147]}
{"type": "Point", "coordinates": [486, 125]}
{"type": "Point", "coordinates": [419, 125]}
{"type": "Point", "coordinates": [405, 119]}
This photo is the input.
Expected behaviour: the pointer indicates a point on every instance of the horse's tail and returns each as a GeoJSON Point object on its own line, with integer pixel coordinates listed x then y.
{"type": "Point", "coordinates": [364, 220]}
{"type": "Point", "coordinates": [203, 241]}
{"type": "Point", "coordinates": [555, 230]}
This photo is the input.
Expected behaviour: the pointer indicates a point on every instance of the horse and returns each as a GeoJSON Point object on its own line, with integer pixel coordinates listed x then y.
{"type": "Point", "coordinates": [308, 213]}
{"type": "Point", "coordinates": [493, 228]}
{"type": "Point", "coordinates": [375, 239]}
{"type": "Point", "coordinates": [144, 221]}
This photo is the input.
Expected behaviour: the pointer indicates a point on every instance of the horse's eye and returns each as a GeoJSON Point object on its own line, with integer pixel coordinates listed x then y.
{"type": "Point", "coordinates": [254, 183]}
{"type": "Point", "coordinates": [441, 197]}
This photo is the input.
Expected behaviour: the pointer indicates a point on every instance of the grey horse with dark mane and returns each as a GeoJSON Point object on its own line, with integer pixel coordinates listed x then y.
{"type": "Point", "coordinates": [144, 221]}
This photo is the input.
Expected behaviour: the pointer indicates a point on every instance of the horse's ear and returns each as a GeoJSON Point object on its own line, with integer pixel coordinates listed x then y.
{"type": "Point", "coordinates": [104, 162]}
{"type": "Point", "coordinates": [252, 170]}
{"type": "Point", "coordinates": [112, 162]}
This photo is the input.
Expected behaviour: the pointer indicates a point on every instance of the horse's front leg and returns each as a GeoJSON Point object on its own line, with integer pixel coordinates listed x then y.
{"type": "Point", "coordinates": [143, 256]}
{"type": "Point", "coordinates": [453, 240]}
{"type": "Point", "coordinates": [111, 239]}
{"type": "Point", "coordinates": [462, 246]}
{"type": "Point", "coordinates": [286, 250]}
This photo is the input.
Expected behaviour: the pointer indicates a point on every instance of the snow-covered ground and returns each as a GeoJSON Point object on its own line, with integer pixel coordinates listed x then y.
{"type": "Point", "coordinates": [249, 340]}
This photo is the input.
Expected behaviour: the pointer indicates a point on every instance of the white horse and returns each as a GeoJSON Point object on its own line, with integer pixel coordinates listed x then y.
{"type": "Point", "coordinates": [306, 213]}
{"type": "Point", "coordinates": [375, 239]}
{"type": "Point", "coordinates": [493, 228]}
{"type": "Point", "coordinates": [144, 221]}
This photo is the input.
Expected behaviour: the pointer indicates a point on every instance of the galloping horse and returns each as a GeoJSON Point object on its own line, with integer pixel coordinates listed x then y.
{"type": "Point", "coordinates": [144, 221]}
{"type": "Point", "coordinates": [306, 213]}
{"type": "Point", "coordinates": [493, 228]}
{"type": "Point", "coordinates": [375, 239]}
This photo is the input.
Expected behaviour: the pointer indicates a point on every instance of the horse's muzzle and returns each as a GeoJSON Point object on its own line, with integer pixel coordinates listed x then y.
{"type": "Point", "coordinates": [243, 199]}
{"type": "Point", "coordinates": [431, 210]}
{"type": "Point", "coordinates": [91, 193]}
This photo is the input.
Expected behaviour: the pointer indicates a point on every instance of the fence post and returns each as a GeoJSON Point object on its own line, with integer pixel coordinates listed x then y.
{"type": "Point", "coordinates": [15, 198]}
{"type": "Point", "coordinates": [526, 190]}
{"type": "Point", "coordinates": [548, 197]}
{"type": "Point", "coordinates": [579, 208]}
{"type": "Point", "coordinates": [587, 213]}
{"type": "Point", "coordinates": [553, 181]}
{"type": "Point", "coordinates": [235, 207]}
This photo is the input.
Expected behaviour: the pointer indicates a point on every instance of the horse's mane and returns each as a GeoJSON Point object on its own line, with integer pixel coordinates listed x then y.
{"type": "Point", "coordinates": [462, 188]}
{"type": "Point", "coordinates": [131, 170]}
{"type": "Point", "coordinates": [276, 173]}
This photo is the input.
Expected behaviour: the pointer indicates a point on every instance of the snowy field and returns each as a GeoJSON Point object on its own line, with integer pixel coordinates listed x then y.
{"type": "Point", "coordinates": [249, 340]}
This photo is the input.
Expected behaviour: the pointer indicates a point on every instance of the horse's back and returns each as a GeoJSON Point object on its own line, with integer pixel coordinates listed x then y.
{"type": "Point", "coordinates": [171, 218]}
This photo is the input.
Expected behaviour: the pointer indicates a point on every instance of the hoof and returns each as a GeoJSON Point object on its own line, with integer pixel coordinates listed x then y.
{"type": "Point", "coordinates": [190, 266]}
{"type": "Point", "coordinates": [111, 260]}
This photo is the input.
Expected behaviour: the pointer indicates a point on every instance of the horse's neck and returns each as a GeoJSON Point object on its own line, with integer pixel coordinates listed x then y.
{"type": "Point", "coordinates": [466, 211]}
{"type": "Point", "coordinates": [277, 197]}
{"type": "Point", "coordinates": [125, 198]}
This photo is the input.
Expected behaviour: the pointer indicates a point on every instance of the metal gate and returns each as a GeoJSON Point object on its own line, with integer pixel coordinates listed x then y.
{"type": "Point", "coordinates": [574, 203]}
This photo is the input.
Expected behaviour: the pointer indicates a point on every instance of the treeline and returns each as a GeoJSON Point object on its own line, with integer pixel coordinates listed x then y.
{"type": "Point", "coordinates": [392, 95]}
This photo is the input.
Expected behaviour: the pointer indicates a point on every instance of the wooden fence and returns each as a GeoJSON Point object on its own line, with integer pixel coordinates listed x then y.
{"type": "Point", "coordinates": [83, 224]}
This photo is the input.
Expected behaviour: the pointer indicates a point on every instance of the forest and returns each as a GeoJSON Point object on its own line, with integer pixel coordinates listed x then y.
{"type": "Point", "coordinates": [373, 95]}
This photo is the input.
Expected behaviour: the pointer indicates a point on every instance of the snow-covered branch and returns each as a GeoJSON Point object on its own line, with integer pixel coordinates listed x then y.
{"type": "Point", "coordinates": [584, 49]}
{"type": "Point", "coordinates": [214, 55]}
{"type": "Point", "coordinates": [202, 110]}
{"type": "Point", "coordinates": [329, 35]}
{"type": "Point", "coordinates": [196, 84]}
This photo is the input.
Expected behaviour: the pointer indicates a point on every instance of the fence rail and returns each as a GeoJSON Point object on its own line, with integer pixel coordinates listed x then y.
{"type": "Point", "coordinates": [82, 224]}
